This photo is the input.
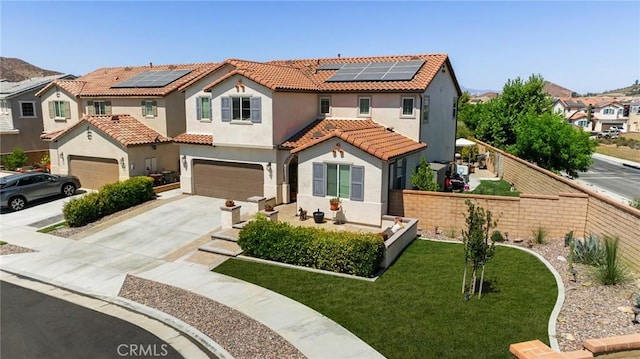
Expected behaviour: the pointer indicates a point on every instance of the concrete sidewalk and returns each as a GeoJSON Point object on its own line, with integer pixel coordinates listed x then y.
{"type": "Point", "coordinates": [98, 264]}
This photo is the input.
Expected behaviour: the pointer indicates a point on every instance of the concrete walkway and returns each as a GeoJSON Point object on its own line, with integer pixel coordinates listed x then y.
{"type": "Point", "coordinates": [97, 265]}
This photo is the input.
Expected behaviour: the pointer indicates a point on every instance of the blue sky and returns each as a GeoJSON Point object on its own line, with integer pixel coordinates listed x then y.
{"type": "Point", "coordinates": [582, 45]}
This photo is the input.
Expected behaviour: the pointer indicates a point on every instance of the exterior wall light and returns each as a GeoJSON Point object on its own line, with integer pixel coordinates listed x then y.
{"type": "Point", "coordinates": [122, 162]}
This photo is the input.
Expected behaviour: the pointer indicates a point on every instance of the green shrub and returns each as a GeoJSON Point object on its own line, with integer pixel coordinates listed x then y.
{"type": "Point", "coordinates": [611, 271]}
{"type": "Point", "coordinates": [540, 235]}
{"type": "Point", "coordinates": [109, 199]}
{"type": "Point", "coordinates": [497, 236]}
{"type": "Point", "coordinates": [17, 158]}
{"type": "Point", "coordinates": [635, 203]}
{"type": "Point", "coordinates": [588, 251]}
{"type": "Point", "coordinates": [423, 177]}
{"type": "Point", "coordinates": [344, 252]}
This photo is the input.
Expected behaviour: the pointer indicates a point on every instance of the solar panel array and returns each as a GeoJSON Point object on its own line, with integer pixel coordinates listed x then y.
{"type": "Point", "coordinates": [159, 78]}
{"type": "Point", "coordinates": [374, 71]}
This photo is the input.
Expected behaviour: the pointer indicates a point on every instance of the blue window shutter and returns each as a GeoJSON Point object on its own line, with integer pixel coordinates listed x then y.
{"type": "Point", "coordinates": [318, 179]}
{"type": "Point", "coordinates": [256, 115]}
{"type": "Point", "coordinates": [357, 183]}
{"type": "Point", "coordinates": [199, 108]}
{"type": "Point", "coordinates": [226, 109]}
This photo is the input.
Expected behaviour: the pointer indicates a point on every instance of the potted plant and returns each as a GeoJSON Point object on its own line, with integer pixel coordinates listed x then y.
{"type": "Point", "coordinates": [268, 207]}
{"type": "Point", "coordinates": [334, 203]}
{"type": "Point", "coordinates": [229, 203]}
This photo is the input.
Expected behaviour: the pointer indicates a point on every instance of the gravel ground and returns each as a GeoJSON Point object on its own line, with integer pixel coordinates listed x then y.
{"type": "Point", "coordinates": [590, 310]}
{"type": "Point", "coordinates": [13, 249]}
{"type": "Point", "coordinates": [237, 333]}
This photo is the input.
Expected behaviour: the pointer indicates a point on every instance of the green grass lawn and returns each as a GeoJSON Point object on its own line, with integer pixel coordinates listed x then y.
{"type": "Point", "coordinates": [495, 188]}
{"type": "Point", "coordinates": [416, 309]}
{"type": "Point", "coordinates": [53, 227]}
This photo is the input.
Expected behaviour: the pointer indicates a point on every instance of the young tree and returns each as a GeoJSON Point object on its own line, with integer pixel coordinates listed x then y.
{"type": "Point", "coordinates": [423, 178]}
{"type": "Point", "coordinates": [477, 250]}
{"type": "Point", "coordinates": [17, 158]}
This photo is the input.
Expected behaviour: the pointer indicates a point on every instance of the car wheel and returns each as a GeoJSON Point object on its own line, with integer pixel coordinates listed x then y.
{"type": "Point", "coordinates": [68, 189]}
{"type": "Point", "coordinates": [17, 203]}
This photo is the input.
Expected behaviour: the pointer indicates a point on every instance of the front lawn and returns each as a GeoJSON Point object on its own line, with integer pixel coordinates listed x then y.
{"type": "Point", "coordinates": [416, 309]}
{"type": "Point", "coordinates": [495, 188]}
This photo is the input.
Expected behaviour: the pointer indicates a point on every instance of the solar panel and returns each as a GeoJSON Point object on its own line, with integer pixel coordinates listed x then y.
{"type": "Point", "coordinates": [159, 78]}
{"type": "Point", "coordinates": [377, 71]}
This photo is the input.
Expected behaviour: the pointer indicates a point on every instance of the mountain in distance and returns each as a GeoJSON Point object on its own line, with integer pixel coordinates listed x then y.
{"type": "Point", "coordinates": [476, 92]}
{"type": "Point", "coordinates": [15, 70]}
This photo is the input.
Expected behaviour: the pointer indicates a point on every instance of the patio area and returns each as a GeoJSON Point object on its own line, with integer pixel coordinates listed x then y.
{"type": "Point", "coordinates": [289, 213]}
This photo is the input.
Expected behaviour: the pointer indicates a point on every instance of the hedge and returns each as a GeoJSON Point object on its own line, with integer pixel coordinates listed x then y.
{"type": "Point", "coordinates": [109, 199]}
{"type": "Point", "coordinates": [345, 252]}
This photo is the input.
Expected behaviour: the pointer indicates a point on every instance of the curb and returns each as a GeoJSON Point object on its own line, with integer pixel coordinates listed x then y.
{"type": "Point", "coordinates": [553, 318]}
{"type": "Point", "coordinates": [206, 345]}
{"type": "Point", "coordinates": [631, 165]}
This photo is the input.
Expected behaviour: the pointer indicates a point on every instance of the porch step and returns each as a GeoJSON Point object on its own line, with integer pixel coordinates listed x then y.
{"type": "Point", "coordinates": [221, 246]}
{"type": "Point", "coordinates": [230, 234]}
{"type": "Point", "coordinates": [240, 225]}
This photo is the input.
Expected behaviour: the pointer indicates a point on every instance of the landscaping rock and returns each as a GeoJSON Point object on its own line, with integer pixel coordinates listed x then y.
{"type": "Point", "coordinates": [562, 259]}
{"type": "Point", "coordinates": [628, 310]}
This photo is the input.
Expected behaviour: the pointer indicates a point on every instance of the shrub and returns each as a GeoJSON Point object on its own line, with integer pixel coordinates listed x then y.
{"type": "Point", "coordinates": [17, 158]}
{"type": "Point", "coordinates": [540, 235]}
{"type": "Point", "coordinates": [344, 252]}
{"type": "Point", "coordinates": [109, 199]}
{"type": "Point", "coordinates": [611, 271]}
{"type": "Point", "coordinates": [588, 251]}
{"type": "Point", "coordinates": [423, 177]}
{"type": "Point", "coordinates": [635, 203]}
{"type": "Point", "coordinates": [497, 236]}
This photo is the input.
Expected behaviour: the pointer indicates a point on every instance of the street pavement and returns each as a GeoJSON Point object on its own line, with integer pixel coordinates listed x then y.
{"type": "Point", "coordinates": [97, 265]}
{"type": "Point", "coordinates": [613, 177]}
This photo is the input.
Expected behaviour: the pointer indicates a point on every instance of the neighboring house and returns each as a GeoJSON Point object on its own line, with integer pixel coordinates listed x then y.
{"type": "Point", "coordinates": [634, 116]}
{"type": "Point", "coordinates": [310, 130]}
{"type": "Point", "coordinates": [116, 123]}
{"type": "Point", "coordinates": [605, 112]}
{"type": "Point", "coordinates": [21, 115]}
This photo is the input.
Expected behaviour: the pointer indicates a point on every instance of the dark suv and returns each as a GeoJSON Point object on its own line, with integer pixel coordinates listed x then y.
{"type": "Point", "coordinates": [18, 189]}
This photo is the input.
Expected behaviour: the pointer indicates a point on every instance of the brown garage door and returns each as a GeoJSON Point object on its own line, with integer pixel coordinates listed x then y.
{"type": "Point", "coordinates": [94, 172]}
{"type": "Point", "coordinates": [237, 181]}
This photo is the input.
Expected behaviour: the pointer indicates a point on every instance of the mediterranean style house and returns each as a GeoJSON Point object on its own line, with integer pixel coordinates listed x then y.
{"type": "Point", "coordinates": [116, 123]}
{"type": "Point", "coordinates": [20, 115]}
{"type": "Point", "coordinates": [606, 112]}
{"type": "Point", "coordinates": [314, 129]}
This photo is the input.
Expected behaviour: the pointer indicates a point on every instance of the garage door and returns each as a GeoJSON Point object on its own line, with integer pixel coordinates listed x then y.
{"type": "Point", "coordinates": [237, 181]}
{"type": "Point", "coordinates": [94, 172]}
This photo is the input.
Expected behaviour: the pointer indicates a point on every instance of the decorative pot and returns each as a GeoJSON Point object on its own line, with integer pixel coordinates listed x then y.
{"type": "Point", "coordinates": [229, 203]}
{"type": "Point", "coordinates": [334, 206]}
{"type": "Point", "coordinates": [318, 216]}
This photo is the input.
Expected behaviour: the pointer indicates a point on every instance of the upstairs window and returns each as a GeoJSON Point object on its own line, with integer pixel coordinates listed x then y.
{"type": "Point", "coordinates": [407, 107]}
{"type": "Point", "coordinates": [60, 109]}
{"type": "Point", "coordinates": [241, 109]}
{"type": "Point", "coordinates": [28, 109]}
{"type": "Point", "coordinates": [325, 105]}
{"type": "Point", "coordinates": [4, 107]}
{"type": "Point", "coordinates": [149, 108]}
{"type": "Point", "coordinates": [203, 108]}
{"type": "Point", "coordinates": [425, 109]}
{"type": "Point", "coordinates": [364, 106]}
{"type": "Point", "coordinates": [455, 107]}
{"type": "Point", "coordinates": [99, 107]}
{"type": "Point", "coordinates": [608, 111]}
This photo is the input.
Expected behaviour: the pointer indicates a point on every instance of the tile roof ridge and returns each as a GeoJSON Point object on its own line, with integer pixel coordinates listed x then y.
{"type": "Point", "coordinates": [198, 64]}
{"type": "Point", "coordinates": [267, 64]}
{"type": "Point", "coordinates": [360, 57]}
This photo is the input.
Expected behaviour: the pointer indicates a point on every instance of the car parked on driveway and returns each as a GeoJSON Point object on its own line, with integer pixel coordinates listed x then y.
{"type": "Point", "coordinates": [609, 133]}
{"type": "Point", "coordinates": [19, 189]}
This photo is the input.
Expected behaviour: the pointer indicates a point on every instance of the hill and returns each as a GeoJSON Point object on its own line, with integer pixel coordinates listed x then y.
{"type": "Point", "coordinates": [557, 91]}
{"type": "Point", "coordinates": [15, 70]}
{"type": "Point", "coordinates": [625, 91]}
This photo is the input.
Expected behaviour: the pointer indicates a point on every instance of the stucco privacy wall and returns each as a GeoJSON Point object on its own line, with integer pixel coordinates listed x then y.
{"type": "Point", "coordinates": [575, 208]}
{"type": "Point", "coordinates": [518, 216]}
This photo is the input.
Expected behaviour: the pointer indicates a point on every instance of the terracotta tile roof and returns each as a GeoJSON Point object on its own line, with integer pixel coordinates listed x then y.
{"type": "Point", "coordinates": [99, 82]}
{"type": "Point", "coordinates": [579, 115]}
{"type": "Point", "coordinates": [194, 139]}
{"type": "Point", "coordinates": [48, 136]}
{"type": "Point", "coordinates": [364, 134]}
{"type": "Point", "coordinates": [123, 128]}
{"type": "Point", "coordinates": [274, 77]}
{"type": "Point", "coordinates": [303, 75]}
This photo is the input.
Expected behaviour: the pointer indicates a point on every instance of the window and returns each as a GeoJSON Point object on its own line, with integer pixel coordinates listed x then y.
{"type": "Point", "coordinates": [364, 106]}
{"type": "Point", "coordinates": [28, 109]}
{"type": "Point", "coordinates": [620, 111]}
{"type": "Point", "coordinates": [203, 108]}
{"type": "Point", "coordinates": [338, 180]}
{"type": "Point", "coordinates": [99, 107]}
{"type": "Point", "coordinates": [608, 111]}
{"type": "Point", "coordinates": [4, 107]}
{"type": "Point", "coordinates": [425, 109]}
{"type": "Point", "coordinates": [325, 105]}
{"type": "Point", "coordinates": [59, 109]}
{"type": "Point", "coordinates": [149, 108]}
{"type": "Point", "coordinates": [241, 109]}
{"type": "Point", "coordinates": [455, 107]}
{"type": "Point", "coordinates": [399, 174]}
{"type": "Point", "coordinates": [407, 106]}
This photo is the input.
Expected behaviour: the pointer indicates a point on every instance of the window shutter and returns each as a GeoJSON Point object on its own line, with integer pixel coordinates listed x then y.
{"type": "Point", "coordinates": [318, 179]}
{"type": "Point", "coordinates": [225, 108]}
{"type": "Point", "coordinates": [67, 110]}
{"type": "Point", "coordinates": [154, 104]}
{"type": "Point", "coordinates": [90, 108]}
{"type": "Point", "coordinates": [52, 110]}
{"type": "Point", "coordinates": [357, 183]}
{"type": "Point", "coordinates": [256, 108]}
{"type": "Point", "coordinates": [144, 108]}
{"type": "Point", "coordinates": [107, 107]}
{"type": "Point", "coordinates": [199, 108]}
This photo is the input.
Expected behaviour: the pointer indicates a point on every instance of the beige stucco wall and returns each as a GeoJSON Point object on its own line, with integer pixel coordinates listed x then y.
{"type": "Point", "coordinates": [190, 94]}
{"type": "Point", "coordinates": [439, 133]}
{"type": "Point", "coordinates": [242, 133]}
{"type": "Point", "coordinates": [292, 112]}
{"type": "Point", "coordinates": [166, 155]}
{"type": "Point", "coordinates": [57, 94]}
{"type": "Point", "coordinates": [368, 211]}
{"type": "Point", "coordinates": [28, 129]}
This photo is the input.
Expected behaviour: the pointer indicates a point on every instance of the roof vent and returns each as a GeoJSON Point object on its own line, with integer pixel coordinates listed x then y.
{"type": "Point", "coordinates": [330, 127]}
{"type": "Point", "coordinates": [172, 67]}
{"type": "Point", "coordinates": [115, 118]}
{"type": "Point", "coordinates": [317, 134]}
{"type": "Point", "coordinates": [415, 58]}
{"type": "Point", "coordinates": [127, 68]}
